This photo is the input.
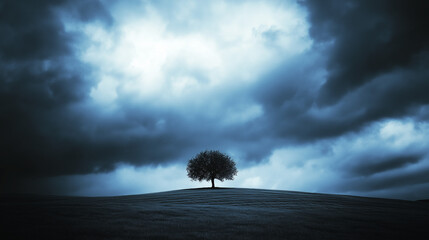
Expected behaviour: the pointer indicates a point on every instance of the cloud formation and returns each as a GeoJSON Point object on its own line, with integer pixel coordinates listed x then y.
{"type": "Point", "coordinates": [369, 39]}
{"type": "Point", "coordinates": [327, 97]}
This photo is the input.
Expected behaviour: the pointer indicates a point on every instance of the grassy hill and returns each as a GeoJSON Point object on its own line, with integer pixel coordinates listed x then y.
{"type": "Point", "coordinates": [225, 213]}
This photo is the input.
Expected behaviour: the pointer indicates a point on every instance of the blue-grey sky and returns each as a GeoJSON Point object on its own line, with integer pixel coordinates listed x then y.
{"type": "Point", "coordinates": [109, 97]}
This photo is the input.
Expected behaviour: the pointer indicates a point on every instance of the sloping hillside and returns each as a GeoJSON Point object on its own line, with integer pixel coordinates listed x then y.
{"type": "Point", "coordinates": [213, 214]}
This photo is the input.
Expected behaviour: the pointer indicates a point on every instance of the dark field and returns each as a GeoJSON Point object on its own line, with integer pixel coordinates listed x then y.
{"type": "Point", "coordinates": [213, 214]}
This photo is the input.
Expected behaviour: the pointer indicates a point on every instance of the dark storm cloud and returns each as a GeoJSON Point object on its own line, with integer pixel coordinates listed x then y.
{"type": "Point", "coordinates": [49, 126]}
{"type": "Point", "coordinates": [368, 64]}
{"type": "Point", "coordinates": [376, 164]}
{"type": "Point", "coordinates": [37, 86]}
{"type": "Point", "coordinates": [376, 56]}
{"type": "Point", "coordinates": [369, 38]}
{"type": "Point", "coordinates": [30, 32]}
{"type": "Point", "coordinates": [390, 182]}
{"type": "Point", "coordinates": [88, 11]}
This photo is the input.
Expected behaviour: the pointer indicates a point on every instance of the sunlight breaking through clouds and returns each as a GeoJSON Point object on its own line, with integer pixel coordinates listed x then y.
{"type": "Point", "coordinates": [143, 57]}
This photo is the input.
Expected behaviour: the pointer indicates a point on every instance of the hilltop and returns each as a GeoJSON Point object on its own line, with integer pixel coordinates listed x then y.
{"type": "Point", "coordinates": [225, 213]}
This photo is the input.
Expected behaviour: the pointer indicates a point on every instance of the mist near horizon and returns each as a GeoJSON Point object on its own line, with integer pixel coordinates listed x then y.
{"type": "Point", "coordinates": [107, 97]}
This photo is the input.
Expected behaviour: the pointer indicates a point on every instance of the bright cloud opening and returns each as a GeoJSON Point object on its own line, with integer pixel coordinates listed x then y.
{"type": "Point", "coordinates": [234, 43]}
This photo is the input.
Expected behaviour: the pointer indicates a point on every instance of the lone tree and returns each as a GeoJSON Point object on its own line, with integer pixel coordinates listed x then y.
{"type": "Point", "coordinates": [211, 165]}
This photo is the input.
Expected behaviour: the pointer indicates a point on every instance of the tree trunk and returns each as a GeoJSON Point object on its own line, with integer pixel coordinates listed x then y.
{"type": "Point", "coordinates": [213, 186]}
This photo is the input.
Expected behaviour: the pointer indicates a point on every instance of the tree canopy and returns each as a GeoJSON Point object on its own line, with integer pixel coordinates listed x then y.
{"type": "Point", "coordinates": [211, 165]}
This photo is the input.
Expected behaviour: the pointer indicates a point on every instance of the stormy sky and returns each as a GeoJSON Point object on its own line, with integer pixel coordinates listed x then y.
{"type": "Point", "coordinates": [109, 97]}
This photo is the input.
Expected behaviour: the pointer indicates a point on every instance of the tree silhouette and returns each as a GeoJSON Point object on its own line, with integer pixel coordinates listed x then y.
{"type": "Point", "coordinates": [211, 165]}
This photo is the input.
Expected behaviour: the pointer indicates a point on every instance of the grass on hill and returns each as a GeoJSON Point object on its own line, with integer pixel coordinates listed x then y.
{"type": "Point", "coordinates": [222, 213]}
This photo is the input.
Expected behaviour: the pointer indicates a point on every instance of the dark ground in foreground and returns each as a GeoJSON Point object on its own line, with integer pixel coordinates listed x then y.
{"type": "Point", "coordinates": [213, 214]}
